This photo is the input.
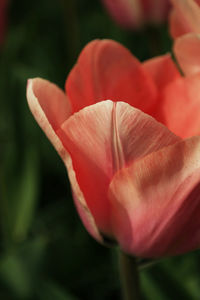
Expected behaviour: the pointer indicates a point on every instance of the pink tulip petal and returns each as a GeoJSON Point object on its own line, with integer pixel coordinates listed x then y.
{"type": "Point", "coordinates": [177, 25]}
{"type": "Point", "coordinates": [181, 106]}
{"type": "Point", "coordinates": [52, 100]}
{"type": "Point", "coordinates": [154, 67]}
{"type": "Point", "coordinates": [127, 13]}
{"type": "Point", "coordinates": [187, 51]}
{"type": "Point", "coordinates": [45, 99]}
{"type": "Point", "coordinates": [38, 91]}
{"type": "Point", "coordinates": [162, 69]}
{"type": "Point", "coordinates": [107, 70]}
{"type": "Point", "coordinates": [101, 139]}
{"type": "Point", "coordinates": [156, 202]}
{"type": "Point", "coordinates": [187, 17]}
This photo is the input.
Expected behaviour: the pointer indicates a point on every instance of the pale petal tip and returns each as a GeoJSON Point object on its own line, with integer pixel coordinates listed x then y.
{"type": "Point", "coordinates": [29, 86]}
{"type": "Point", "coordinates": [29, 81]}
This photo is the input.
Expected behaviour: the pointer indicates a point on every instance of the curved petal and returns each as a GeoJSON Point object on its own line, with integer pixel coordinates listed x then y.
{"type": "Point", "coordinates": [162, 69]}
{"type": "Point", "coordinates": [50, 98]}
{"type": "Point", "coordinates": [177, 24]}
{"type": "Point", "coordinates": [107, 70]}
{"type": "Point", "coordinates": [127, 13]}
{"type": "Point", "coordinates": [180, 106]}
{"type": "Point", "coordinates": [156, 202]}
{"type": "Point", "coordinates": [187, 51]}
{"type": "Point", "coordinates": [154, 67]}
{"type": "Point", "coordinates": [49, 106]}
{"type": "Point", "coordinates": [188, 12]}
{"type": "Point", "coordinates": [101, 139]}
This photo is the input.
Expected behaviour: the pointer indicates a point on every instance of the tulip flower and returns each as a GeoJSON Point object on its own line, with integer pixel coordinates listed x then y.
{"type": "Point", "coordinates": [127, 133]}
{"type": "Point", "coordinates": [134, 13]}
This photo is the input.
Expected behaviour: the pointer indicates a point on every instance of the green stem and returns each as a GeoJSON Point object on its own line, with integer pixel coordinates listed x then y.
{"type": "Point", "coordinates": [129, 277]}
{"type": "Point", "coordinates": [146, 263]}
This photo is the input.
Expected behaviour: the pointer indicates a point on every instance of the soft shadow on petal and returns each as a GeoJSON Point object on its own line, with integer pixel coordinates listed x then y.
{"type": "Point", "coordinates": [139, 133]}
{"type": "Point", "coordinates": [101, 139]}
{"type": "Point", "coordinates": [107, 70]}
{"type": "Point", "coordinates": [86, 135]}
{"type": "Point", "coordinates": [180, 106]}
{"type": "Point", "coordinates": [41, 96]}
{"type": "Point", "coordinates": [156, 202]}
{"type": "Point", "coordinates": [162, 69]}
{"type": "Point", "coordinates": [187, 52]}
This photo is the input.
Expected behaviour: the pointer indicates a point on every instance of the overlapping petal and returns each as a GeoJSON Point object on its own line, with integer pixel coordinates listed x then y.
{"type": "Point", "coordinates": [177, 25]}
{"type": "Point", "coordinates": [103, 138]}
{"type": "Point", "coordinates": [50, 108]}
{"type": "Point", "coordinates": [162, 70]}
{"type": "Point", "coordinates": [185, 17]}
{"type": "Point", "coordinates": [107, 70]}
{"type": "Point", "coordinates": [187, 51]}
{"type": "Point", "coordinates": [156, 201]}
{"type": "Point", "coordinates": [185, 29]}
{"type": "Point", "coordinates": [132, 178]}
{"type": "Point", "coordinates": [46, 96]}
{"type": "Point", "coordinates": [180, 106]}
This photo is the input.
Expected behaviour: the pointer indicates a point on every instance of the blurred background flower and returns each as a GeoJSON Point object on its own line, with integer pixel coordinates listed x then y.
{"type": "Point", "coordinates": [133, 14]}
{"type": "Point", "coordinates": [3, 19]}
{"type": "Point", "coordinates": [45, 253]}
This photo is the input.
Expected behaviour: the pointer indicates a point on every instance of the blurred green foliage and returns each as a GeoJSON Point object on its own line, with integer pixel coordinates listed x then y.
{"type": "Point", "coordinates": [45, 251]}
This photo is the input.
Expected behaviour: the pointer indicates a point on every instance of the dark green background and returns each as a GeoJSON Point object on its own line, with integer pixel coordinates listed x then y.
{"type": "Point", "coordinates": [45, 252]}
